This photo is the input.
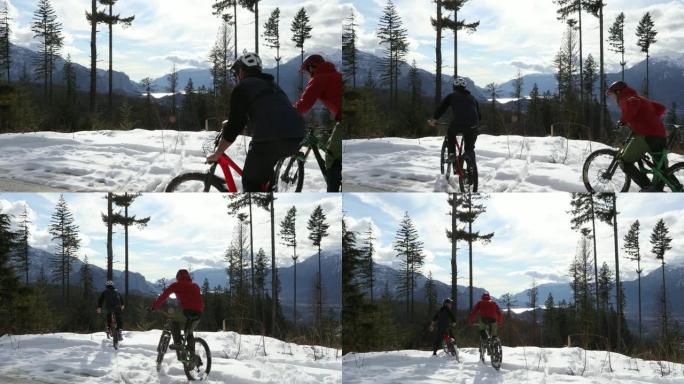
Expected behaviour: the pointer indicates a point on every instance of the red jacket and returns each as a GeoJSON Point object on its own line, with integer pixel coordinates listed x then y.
{"type": "Point", "coordinates": [325, 85]}
{"type": "Point", "coordinates": [187, 292]}
{"type": "Point", "coordinates": [486, 308]}
{"type": "Point", "coordinates": [642, 114]}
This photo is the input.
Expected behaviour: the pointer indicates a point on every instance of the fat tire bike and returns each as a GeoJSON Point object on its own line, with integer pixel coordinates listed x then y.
{"type": "Point", "coordinates": [449, 345]}
{"type": "Point", "coordinates": [492, 347]}
{"type": "Point", "coordinates": [113, 325]}
{"type": "Point", "coordinates": [196, 365]}
{"type": "Point", "coordinates": [459, 165]}
{"type": "Point", "coordinates": [289, 171]}
{"type": "Point", "coordinates": [602, 171]}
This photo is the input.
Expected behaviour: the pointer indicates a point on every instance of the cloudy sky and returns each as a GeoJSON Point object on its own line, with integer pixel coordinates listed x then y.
{"type": "Point", "coordinates": [533, 238]}
{"type": "Point", "coordinates": [516, 34]}
{"type": "Point", "coordinates": [181, 31]}
{"type": "Point", "coordinates": [184, 230]}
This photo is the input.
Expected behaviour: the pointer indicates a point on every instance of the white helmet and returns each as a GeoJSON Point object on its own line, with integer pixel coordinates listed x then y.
{"type": "Point", "coordinates": [460, 82]}
{"type": "Point", "coordinates": [109, 283]}
{"type": "Point", "coordinates": [247, 60]}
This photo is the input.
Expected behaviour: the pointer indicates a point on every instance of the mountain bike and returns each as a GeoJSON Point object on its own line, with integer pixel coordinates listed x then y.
{"type": "Point", "coordinates": [204, 182]}
{"type": "Point", "coordinates": [460, 165]}
{"type": "Point", "coordinates": [602, 172]}
{"type": "Point", "coordinates": [449, 345]}
{"type": "Point", "coordinates": [196, 365]}
{"type": "Point", "coordinates": [492, 347]}
{"type": "Point", "coordinates": [112, 325]}
{"type": "Point", "coordinates": [289, 171]}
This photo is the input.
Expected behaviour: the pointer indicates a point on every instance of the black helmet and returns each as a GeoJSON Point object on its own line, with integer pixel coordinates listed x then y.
{"type": "Point", "coordinates": [447, 301]}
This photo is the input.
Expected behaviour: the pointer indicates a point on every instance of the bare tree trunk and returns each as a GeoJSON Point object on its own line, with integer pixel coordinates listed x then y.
{"type": "Point", "coordinates": [110, 252]}
{"type": "Point", "coordinates": [93, 57]}
{"type": "Point", "coordinates": [438, 55]}
{"type": "Point", "coordinates": [274, 272]}
{"type": "Point", "coordinates": [618, 285]}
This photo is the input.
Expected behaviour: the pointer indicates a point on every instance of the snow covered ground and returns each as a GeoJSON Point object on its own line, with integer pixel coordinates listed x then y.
{"type": "Point", "coordinates": [137, 160]}
{"type": "Point", "coordinates": [505, 164]}
{"type": "Point", "coordinates": [90, 358]}
{"type": "Point", "coordinates": [520, 365]}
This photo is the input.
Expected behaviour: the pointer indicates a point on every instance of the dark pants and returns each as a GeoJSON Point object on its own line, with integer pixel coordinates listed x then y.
{"type": "Point", "coordinates": [117, 315]}
{"type": "Point", "coordinates": [469, 139]}
{"type": "Point", "coordinates": [635, 149]}
{"type": "Point", "coordinates": [439, 338]}
{"type": "Point", "coordinates": [261, 160]}
{"type": "Point", "coordinates": [335, 176]}
{"type": "Point", "coordinates": [191, 320]}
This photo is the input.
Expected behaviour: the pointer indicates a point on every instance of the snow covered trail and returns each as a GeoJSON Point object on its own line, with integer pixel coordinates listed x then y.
{"type": "Point", "coordinates": [137, 160]}
{"type": "Point", "coordinates": [63, 358]}
{"type": "Point", "coordinates": [505, 164]}
{"type": "Point", "coordinates": [520, 365]}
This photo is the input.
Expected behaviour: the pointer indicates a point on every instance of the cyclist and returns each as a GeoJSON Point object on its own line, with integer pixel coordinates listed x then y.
{"type": "Point", "coordinates": [490, 315]}
{"type": "Point", "coordinates": [275, 126]}
{"type": "Point", "coordinates": [444, 319]}
{"type": "Point", "coordinates": [190, 298]}
{"type": "Point", "coordinates": [649, 135]}
{"type": "Point", "coordinates": [467, 117]}
{"type": "Point", "coordinates": [113, 303]}
{"type": "Point", "coordinates": [325, 85]}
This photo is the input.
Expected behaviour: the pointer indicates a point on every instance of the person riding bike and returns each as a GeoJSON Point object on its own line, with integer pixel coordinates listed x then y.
{"type": "Point", "coordinates": [325, 85]}
{"type": "Point", "coordinates": [113, 303]}
{"type": "Point", "coordinates": [643, 116]}
{"type": "Point", "coordinates": [275, 126]}
{"type": "Point", "coordinates": [490, 314]}
{"type": "Point", "coordinates": [190, 297]}
{"type": "Point", "coordinates": [467, 117]}
{"type": "Point", "coordinates": [443, 319]}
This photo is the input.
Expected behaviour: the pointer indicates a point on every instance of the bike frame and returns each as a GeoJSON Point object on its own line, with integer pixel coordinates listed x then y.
{"type": "Point", "coordinates": [226, 164]}
{"type": "Point", "coordinates": [656, 169]}
{"type": "Point", "coordinates": [312, 145]}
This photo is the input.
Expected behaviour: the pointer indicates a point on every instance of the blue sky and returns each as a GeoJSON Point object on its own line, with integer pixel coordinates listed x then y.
{"type": "Point", "coordinates": [533, 238]}
{"type": "Point", "coordinates": [518, 34]}
{"type": "Point", "coordinates": [180, 31]}
{"type": "Point", "coordinates": [185, 229]}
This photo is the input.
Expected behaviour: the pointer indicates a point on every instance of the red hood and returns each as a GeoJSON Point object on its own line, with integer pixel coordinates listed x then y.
{"type": "Point", "coordinates": [183, 275]}
{"type": "Point", "coordinates": [325, 67]}
{"type": "Point", "coordinates": [628, 92]}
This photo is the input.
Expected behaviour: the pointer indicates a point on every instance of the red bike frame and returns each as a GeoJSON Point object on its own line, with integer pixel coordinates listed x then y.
{"type": "Point", "coordinates": [226, 163]}
{"type": "Point", "coordinates": [458, 169]}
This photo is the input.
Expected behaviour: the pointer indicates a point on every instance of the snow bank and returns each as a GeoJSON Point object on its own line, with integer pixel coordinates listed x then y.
{"type": "Point", "coordinates": [90, 358]}
{"type": "Point", "coordinates": [137, 160]}
{"type": "Point", "coordinates": [520, 365]}
{"type": "Point", "coordinates": [505, 164]}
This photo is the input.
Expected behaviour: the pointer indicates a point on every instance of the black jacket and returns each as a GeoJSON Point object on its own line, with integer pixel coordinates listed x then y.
{"type": "Point", "coordinates": [444, 317]}
{"type": "Point", "coordinates": [258, 103]}
{"type": "Point", "coordinates": [465, 108]}
{"type": "Point", "coordinates": [111, 298]}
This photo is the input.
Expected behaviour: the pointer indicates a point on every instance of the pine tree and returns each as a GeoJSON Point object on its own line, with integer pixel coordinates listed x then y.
{"type": "Point", "coordinates": [172, 79]}
{"type": "Point", "coordinates": [63, 229]}
{"type": "Point", "coordinates": [190, 121]}
{"type": "Point", "coordinates": [660, 244]}
{"type": "Point", "coordinates": [583, 211]}
{"type": "Point", "coordinates": [430, 294]}
{"type": "Point", "coordinates": [493, 93]}
{"type": "Point", "coordinates": [352, 297]}
{"type": "Point", "coordinates": [318, 230]}
{"type": "Point", "coordinates": [5, 32]}
{"type": "Point", "coordinates": [671, 117]}
{"type": "Point", "coordinates": [409, 250]}
{"type": "Point", "coordinates": [272, 36]}
{"type": "Point", "coordinates": [148, 88]}
{"type": "Point", "coordinates": [94, 17]}
{"type": "Point", "coordinates": [589, 76]}
{"type": "Point", "coordinates": [457, 25]}
{"type": "Point", "coordinates": [71, 92]}
{"type": "Point", "coordinates": [549, 318]}
{"type": "Point", "coordinates": [394, 38]}
{"type": "Point", "coordinates": [109, 220]}
{"type": "Point", "coordinates": [454, 235]}
{"type": "Point", "coordinates": [415, 108]}
{"type": "Point", "coordinates": [472, 207]}
{"type": "Point", "coordinates": [111, 19]}
{"type": "Point", "coordinates": [301, 32]}
{"type": "Point", "coordinates": [565, 10]}
{"type": "Point", "coordinates": [508, 302]}
{"type": "Point", "coordinates": [48, 31]}
{"type": "Point", "coordinates": [253, 6]}
{"type": "Point", "coordinates": [616, 39]}
{"type": "Point", "coordinates": [21, 253]}
{"type": "Point", "coordinates": [288, 235]}
{"type": "Point", "coordinates": [605, 285]}
{"type": "Point", "coordinates": [86, 280]}
{"type": "Point", "coordinates": [438, 24]}
{"type": "Point", "coordinates": [533, 296]}
{"type": "Point", "coordinates": [595, 8]}
{"type": "Point", "coordinates": [631, 248]}
{"type": "Point", "coordinates": [125, 201]}
{"type": "Point", "coordinates": [367, 253]}
{"type": "Point", "coordinates": [219, 70]}
{"type": "Point", "coordinates": [349, 51]}
{"type": "Point", "coordinates": [518, 84]}
{"type": "Point", "coordinates": [9, 282]}
{"type": "Point", "coordinates": [581, 282]}
{"type": "Point", "coordinates": [219, 8]}
{"type": "Point", "coordinates": [646, 35]}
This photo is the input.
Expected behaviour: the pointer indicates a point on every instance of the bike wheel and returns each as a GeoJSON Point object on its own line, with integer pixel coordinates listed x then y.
{"type": "Point", "coordinates": [675, 178]}
{"type": "Point", "coordinates": [115, 338]}
{"type": "Point", "coordinates": [288, 175]}
{"type": "Point", "coordinates": [496, 355]}
{"type": "Point", "coordinates": [162, 347]}
{"type": "Point", "coordinates": [199, 368]}
{"type": "Point", "coordinates": [596, 173]}
{"type": "Point", "coordinates": [444, 160]}
{"type": "Point", "coordinates": [468, 181]}
{"type": "Point", "coordinates": [194, 182]}
{"type": "Point", "coordinates": [483, 349]}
